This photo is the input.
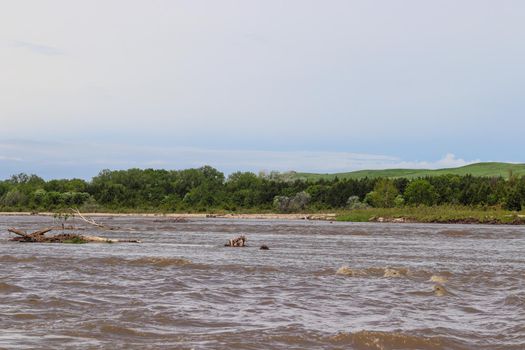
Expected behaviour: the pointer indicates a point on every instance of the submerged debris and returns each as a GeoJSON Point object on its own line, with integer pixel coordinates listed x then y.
{"type": "Point", "coordinates": [345, 270]}
{"type": "Point", "coordinates": [237, 242]}
{"type": "Point", "coordinates": [172, 219]}
{"type": "Point", "coordinates": [440, 290]}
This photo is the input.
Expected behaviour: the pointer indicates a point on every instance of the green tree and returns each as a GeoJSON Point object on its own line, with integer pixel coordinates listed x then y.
{"type": "Point", "coordinates": [420, 192]}
{"type": "Point", "coordinates": [282, 203]}
{"type": "Point", "coordinates": [15, 198]}
{"type": "Point", "coordinates": [384, 194]}
{"type": "Point", "coordinates": [300, 201]}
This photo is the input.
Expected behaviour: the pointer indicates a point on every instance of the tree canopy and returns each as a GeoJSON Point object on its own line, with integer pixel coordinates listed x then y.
{"type": "Point", "coordinates": [206, 188]}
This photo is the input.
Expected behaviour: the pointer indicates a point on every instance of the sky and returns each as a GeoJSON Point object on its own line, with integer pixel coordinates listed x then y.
{"type": "Point", "coordinates": [317, 86]}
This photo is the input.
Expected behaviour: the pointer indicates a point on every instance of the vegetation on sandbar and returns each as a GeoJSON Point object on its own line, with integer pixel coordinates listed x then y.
{"type": "Point", "coordinates": [434, 214]}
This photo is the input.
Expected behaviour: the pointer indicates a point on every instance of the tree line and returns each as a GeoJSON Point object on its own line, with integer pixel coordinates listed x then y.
{"type": "Point", "coordinates": [204, 189]}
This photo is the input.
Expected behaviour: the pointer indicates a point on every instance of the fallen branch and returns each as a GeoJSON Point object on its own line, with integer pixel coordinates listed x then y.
{"type": "Point", "coordinates": [68, 228]}
{"type": "Point", "coordinates": [108, 240]}
{"type": "Point", "coordinates": [42, 232]}
{"type": "Point", "coordinates": [91, 221]}
{"type": "Point", "coordinates": [20, 233]}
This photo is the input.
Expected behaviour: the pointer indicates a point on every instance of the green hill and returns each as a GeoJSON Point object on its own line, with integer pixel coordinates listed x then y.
{"type": "Point", "coordinates": [478, 169]}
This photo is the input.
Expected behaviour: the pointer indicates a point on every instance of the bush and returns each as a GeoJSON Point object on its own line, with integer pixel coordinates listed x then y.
{"type": "Point", "coordinates": [281, 203]}
{"type": "Point", "coordinates": [353, 202]}
{"type": "Point", "coordinates": [399, 201]}
{"type": "Point", "coordinates": [300, 201]}
{"type": "Point", "coordinates": [513, 201]}
{"type": "Point", "coordinates": [287, 204]}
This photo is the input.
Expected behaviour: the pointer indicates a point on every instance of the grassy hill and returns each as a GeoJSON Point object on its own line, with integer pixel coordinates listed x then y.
{"type": "Point", "coordinates": [478, 169]}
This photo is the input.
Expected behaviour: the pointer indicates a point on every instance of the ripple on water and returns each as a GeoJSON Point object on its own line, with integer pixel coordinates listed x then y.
{"type": "Point", "coordinates": [515, 300]}
{"type": "Point", "coordinates": [387, 340]}
{"type": "Point", "coordinates": [6, 288]}
{"type": "Point", "coordinates": [16, 259]}
{"type": "Point", "coordinates": [174, 293]}
{"type": "Point", "coordinates": [142, 261]}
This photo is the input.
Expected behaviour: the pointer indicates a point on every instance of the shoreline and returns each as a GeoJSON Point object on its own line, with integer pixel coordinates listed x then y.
{"type": "Point", "coordinates": [261, 216]}
{"type": "Point", "coordinates": [507, 220]}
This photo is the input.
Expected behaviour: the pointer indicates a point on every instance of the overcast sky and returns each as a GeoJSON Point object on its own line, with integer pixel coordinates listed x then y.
{"type": "Point", "coordinates": [319, 86]}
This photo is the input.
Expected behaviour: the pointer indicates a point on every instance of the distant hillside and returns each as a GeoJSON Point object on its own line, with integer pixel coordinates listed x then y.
{"type": "Point", "coordinates": [478, 169]}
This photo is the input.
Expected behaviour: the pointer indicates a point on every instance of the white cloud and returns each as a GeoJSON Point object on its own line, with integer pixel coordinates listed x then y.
{"type": "Point", "coordinates": [259, 71]}
{"type": "Point", "coordinates": [13, 159]}
{"type": "Point", "coordinates": [38, 48]}
{"type": "Point", "coordinates": [448, 161]}
{"type": "Point", "coordinates": [87, 159]}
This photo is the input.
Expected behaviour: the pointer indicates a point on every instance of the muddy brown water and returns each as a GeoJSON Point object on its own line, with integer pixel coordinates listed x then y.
{"type": "Point", "coordinates": [320, 286]}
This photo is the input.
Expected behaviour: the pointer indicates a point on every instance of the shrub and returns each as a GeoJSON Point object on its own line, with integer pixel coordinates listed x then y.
{"type": "Point", "coordinates": [287, 204]}
{"type": "Point", "coordinates": [353, 202]}
{"type": "Point", "coordinates": [281, 203]}
{"type": "Point", "coordinates": [399, 201]}
{"type": "Point", "coordinates": [513, 201]}
{"type": "Point", "coordinates": [300, 201]}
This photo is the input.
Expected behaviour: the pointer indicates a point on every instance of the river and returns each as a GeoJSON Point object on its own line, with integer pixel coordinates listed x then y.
{"type": "Point", "coordinates": [321, 285]}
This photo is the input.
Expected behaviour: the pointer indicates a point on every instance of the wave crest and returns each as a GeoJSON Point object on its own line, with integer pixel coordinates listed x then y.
{"type": "Point", "coordinates": [144, 261]}
{"type": "Point", "coordinates": [18, 259]}
{"type": "Point", "coordinates": [387, 340]}
{"type": "Point", "coordinates": [372, 272]}
{"type": "Point", "coordinates": [9, 288]}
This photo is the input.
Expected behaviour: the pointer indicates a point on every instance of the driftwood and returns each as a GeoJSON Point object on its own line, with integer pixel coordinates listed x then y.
{"type": "Point", "coordinates": [91, 221]}
{"type": "Point", "coordinates": [237, 242]}
{"type": "Point", "coordinates": [174, 219]}
{"type": "Point", "coordinates": [40, 237]}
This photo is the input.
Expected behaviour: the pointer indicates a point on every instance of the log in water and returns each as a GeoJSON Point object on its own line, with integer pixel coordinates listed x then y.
{"type": "Point", "coordinates": [321, 286]}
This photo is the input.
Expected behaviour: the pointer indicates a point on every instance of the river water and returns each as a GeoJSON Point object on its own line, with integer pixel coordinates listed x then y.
{"type": "Point", "coordinates": [320, 286]}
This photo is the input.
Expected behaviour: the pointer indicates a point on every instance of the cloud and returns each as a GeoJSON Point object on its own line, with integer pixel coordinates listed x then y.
{"type": "Point", "coordinates": [53, 159]}
{"type": "Point", "coordinates": [270, 75]}
{"type": "Point", "coordinates": [38, 48]}
{"type": "Point", "coordinates": [12, 159]}
{"type": "Point", "coordinates": [448, 161]}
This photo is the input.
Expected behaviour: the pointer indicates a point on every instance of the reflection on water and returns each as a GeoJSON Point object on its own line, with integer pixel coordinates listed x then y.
{"type": "Point", "coordinates": [320, 286]}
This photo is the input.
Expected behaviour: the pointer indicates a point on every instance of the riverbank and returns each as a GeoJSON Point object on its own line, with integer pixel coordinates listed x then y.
{"type": "Point", "coordinates": [438, 214]}
{"type": "Point", "coordinates": [248, 216]}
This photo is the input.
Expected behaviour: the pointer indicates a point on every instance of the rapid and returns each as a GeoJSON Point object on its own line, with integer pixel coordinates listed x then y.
{"type": "Point", "coordinates": [322, 285]}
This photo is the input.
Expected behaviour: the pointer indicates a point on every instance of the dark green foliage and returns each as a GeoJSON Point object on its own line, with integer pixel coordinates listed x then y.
{"type": "Point", "coordinates": [75, 240]}
{"type": "Point", "coordinates": [513, 200]}
{"type": "Point", "coordinates": [421, 192]}
{"type": "Point", "coordinates": [206, 189]}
